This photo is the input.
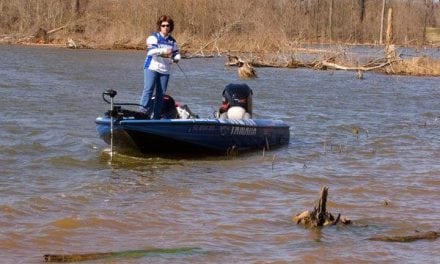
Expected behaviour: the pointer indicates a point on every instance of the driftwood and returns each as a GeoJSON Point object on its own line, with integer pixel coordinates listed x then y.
{"type": "Point", "coordinates": [56, 29]}
{"type": "Point", "coordinates": [319, 216]}
{"type": "Point", "coordinates": [71, 44]}
{"type": "Point", "coordinates": [120, 254]}
{"type": "Point", "coordinates": [323, 64]}
{"type": "Point", "coordinates": [391, 63]}
{"type": "Point", "coordinates": [355, 68]}
{"type": "Point", "coordinates": [431, 235]}
{"type": "Point", "coordinates": [41, 36]}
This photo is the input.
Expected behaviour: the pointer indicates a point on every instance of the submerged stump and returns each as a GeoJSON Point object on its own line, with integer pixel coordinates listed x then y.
{"type": "Point", "coordinates": [319, 215]}
{"type": "Point", "coordinates": [245, 69]}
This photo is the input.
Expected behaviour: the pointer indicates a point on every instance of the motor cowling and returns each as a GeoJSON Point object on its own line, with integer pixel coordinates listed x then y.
{"type": "Point", "coordinates": [237, 95]}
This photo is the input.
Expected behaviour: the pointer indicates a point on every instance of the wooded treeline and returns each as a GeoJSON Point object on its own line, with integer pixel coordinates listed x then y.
{"type": "Point", "coordinates": [246, 25]}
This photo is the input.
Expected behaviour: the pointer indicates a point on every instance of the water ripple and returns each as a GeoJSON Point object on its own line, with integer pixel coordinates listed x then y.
{"type": "Point", "coordinates": [374, 142]}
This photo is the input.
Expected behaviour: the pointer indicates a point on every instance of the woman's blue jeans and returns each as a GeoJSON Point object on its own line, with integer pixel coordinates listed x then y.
{"type": "Point", "coordinates": [154, 81]}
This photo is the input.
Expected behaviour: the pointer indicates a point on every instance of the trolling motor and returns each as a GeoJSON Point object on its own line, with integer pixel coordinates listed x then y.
{"type": "Point", "coordinates": [112, 113]}
{"type": "Point", "coordinates": [112, 93]}
{"type": "Point", "coordinates": [115, 110]}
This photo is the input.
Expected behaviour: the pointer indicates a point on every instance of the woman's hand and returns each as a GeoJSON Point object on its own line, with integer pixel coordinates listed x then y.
{"type": "Point", "coordinates": [167, 53]}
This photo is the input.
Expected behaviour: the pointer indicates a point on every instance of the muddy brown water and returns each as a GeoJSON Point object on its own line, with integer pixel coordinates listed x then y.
{"type": "Point", "coordinates": [61, 194]}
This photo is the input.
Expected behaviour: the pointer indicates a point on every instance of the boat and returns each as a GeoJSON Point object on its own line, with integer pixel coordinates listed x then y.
{"type": "Point", "coordinates": [182, 132]}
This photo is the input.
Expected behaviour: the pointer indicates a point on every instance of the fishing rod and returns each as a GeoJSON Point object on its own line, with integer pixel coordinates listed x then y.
{"type": "Point", "coordinates": [182, 70]}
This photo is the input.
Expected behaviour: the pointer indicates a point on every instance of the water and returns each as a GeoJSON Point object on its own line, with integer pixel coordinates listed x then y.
{"type": "Point", "coordinates": [60, 194]}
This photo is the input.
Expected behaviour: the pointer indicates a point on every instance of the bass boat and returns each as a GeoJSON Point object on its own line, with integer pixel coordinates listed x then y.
{"type": "Point", "coordinates": [180, 131]}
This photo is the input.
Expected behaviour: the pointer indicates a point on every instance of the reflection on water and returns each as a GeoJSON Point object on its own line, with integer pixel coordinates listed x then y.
{"type": "Point", "coordinates": [374, 142]}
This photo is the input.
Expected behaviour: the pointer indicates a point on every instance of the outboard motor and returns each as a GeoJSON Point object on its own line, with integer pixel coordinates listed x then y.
{"type": "Point", "coordinates": [237, 102]}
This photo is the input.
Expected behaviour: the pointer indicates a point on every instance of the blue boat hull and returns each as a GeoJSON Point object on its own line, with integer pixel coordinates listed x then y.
{"type": "Point", "coordinates": [174, 136]}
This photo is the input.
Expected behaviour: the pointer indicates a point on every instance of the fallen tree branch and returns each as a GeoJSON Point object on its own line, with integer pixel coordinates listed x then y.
{"type": "Point", "coordinates": [56, 29]}
{"type": "Point", "coordinates": [357, 68]}
{"type": "Point", "coordinates": [431, 235]}
{"type": "Point", "coordinates": [118, 254]}
{"type": "Point", "coordinates": [40, 36]}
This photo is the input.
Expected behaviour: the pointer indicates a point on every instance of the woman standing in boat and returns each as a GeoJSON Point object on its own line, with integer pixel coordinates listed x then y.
{"type": "Point", "coordinates": [162, 51]}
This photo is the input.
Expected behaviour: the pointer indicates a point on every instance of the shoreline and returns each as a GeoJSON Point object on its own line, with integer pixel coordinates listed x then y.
{"type": "Point", "coordinates": [82, 44]}
{"type": "Point", "coordinates": [314, 56]}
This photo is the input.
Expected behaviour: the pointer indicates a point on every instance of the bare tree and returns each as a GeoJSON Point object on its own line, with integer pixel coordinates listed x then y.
{"type": "Point", "coordinates": [330, 21]}
{"type": "Point", "coordinates": [362, 10]}
{"type": "Point", "coordinates": [262, 24]}
{"type": "Point", "coordinates": [381, 21]}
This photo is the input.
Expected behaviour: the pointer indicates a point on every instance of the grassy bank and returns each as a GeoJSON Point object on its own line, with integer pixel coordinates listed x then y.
{"type": "Point", "coordinates": [248, 25]}
{"type": "Point", "coordinates": [286, 29]}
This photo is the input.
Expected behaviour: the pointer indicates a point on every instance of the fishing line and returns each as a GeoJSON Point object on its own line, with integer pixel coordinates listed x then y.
{"type": "Point", "coordinates": [184, 74]}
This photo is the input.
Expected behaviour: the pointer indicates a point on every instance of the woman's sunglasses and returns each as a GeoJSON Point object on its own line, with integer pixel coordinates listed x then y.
{"type": "Point", "coordinates": [165, 25]}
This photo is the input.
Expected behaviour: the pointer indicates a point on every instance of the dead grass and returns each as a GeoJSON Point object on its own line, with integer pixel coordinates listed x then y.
{"type": "Point", "coordinates": [418, 66]}
{"type": "Point", "coordinates": [248, 25]}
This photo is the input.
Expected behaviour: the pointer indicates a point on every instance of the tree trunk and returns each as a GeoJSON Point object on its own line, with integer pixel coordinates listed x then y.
{"type": "Point", "coordinates": [381, 22]}
{"type": "Point", "coordinates": [317, 17]}
{"type": "Point", "coordinates": [390, 51]}
{"type": "Point", "coordinates": [330, 22]}
{"type": "Point", "coordinates": [426, 21]}
{"type": "Point", "coordinates": [389, 36]}
{"type": "Point", "coordinates": [362, 10]}
{"type": "Point", "coordinates": [77, 7]}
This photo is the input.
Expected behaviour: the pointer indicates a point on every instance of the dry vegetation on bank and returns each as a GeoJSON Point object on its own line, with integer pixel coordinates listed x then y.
{"type": "Point", "coordinates": [207, 28]}
{"type": "Point", "coordinates": [248, 25]}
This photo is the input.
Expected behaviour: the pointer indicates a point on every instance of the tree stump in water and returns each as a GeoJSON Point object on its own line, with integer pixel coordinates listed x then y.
{"type": "Point", "coordinates": [245, 69]}
{"type": "Point", "coordinates": [319, 216]}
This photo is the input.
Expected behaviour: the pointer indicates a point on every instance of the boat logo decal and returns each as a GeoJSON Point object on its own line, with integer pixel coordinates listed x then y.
{"type": "Point", "coordinates": [244, 131]}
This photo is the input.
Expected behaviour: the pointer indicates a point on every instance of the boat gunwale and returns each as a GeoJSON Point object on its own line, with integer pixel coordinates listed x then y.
{"type": "Point", "coordinates": [258, 123]}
